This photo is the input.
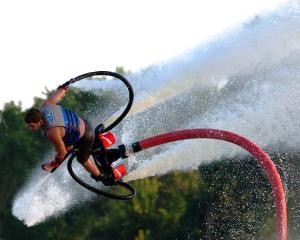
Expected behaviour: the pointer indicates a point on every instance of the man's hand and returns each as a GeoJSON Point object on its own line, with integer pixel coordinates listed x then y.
{"type": "Point", "coordinates": [63, 87]}
{"type": "Point", "coordinates": [53, 165]}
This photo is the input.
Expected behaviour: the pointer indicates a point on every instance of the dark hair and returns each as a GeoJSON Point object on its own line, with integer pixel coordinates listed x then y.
{"type": "Point", "coordinates": [33, 115]}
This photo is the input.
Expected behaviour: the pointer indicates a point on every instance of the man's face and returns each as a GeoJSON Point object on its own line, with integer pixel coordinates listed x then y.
{"type": "Point", "coordinates": [35, 126]}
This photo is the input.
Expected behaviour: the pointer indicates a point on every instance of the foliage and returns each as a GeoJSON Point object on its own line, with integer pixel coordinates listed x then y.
{"type": "Point", "coordinates": [229, 199]}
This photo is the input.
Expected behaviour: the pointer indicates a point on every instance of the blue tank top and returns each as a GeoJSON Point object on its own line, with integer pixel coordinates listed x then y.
{"type": "Point", "coordinates": [57, 116]}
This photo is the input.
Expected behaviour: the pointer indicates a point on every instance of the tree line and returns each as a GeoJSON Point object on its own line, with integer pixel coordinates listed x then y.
{"type": "Point", "coordinates": [228, 199]}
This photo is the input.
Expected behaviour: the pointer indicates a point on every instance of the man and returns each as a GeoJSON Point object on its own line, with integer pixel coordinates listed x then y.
{"type": "Point", "coordinates": [64, 128]}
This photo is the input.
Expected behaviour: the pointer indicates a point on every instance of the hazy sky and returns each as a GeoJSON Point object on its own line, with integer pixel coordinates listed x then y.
{"type": "Point", "coordinates": [44, 43]}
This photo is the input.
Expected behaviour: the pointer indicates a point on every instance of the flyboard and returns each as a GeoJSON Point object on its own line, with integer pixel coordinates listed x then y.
{"type": "Point", "coordinates": [108, 159]}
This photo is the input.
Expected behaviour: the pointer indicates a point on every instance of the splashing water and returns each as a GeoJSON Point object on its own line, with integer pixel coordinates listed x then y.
{"type": "Point", "coordinates": [247, 82]}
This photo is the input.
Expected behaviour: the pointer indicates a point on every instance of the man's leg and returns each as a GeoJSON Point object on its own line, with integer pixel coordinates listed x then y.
{"type": "Point", "coordinates": [91, 167]}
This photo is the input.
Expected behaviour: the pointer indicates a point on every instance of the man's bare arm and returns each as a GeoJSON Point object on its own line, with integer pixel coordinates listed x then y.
{"type": "Point", "coordinates": [54, 98]}
{"type": "Point", "coordinates": [53, 134]}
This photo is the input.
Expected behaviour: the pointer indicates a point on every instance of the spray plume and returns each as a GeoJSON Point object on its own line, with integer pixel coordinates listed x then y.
{"type": "Point", "coordinates": [246, 82]}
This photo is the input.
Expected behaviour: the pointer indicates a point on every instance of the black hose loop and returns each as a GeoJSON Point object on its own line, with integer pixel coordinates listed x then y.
{"type": "Point", "coordinates": [112, 74]}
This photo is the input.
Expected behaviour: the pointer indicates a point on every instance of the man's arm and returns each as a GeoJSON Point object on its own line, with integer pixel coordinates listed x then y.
{"type": "Point", "coordinates": [55, 97]}
{"type": "Point", "coordinates": [53, 134]}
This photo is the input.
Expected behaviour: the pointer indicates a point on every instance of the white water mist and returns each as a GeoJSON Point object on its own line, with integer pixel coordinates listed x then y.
{"type": "Point", "coordinates": [247, 82]}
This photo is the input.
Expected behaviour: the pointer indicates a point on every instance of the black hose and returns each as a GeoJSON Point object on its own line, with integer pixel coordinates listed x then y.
{"type": "Point", "coordinates": [112, 74]}
{"type": "Point", "coordinates": [129, 188]}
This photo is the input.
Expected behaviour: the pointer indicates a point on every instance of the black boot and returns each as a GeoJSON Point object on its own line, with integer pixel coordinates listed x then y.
{"type": "Point", "coordinates": [106, 180]}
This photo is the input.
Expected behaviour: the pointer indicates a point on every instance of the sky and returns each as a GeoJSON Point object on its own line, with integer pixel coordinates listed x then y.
{"type": "Point", "coordinates": [45, 43]}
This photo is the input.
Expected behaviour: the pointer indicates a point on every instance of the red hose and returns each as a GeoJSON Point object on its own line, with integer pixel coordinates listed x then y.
{"type": "Point", "coordinates": [266, 162]}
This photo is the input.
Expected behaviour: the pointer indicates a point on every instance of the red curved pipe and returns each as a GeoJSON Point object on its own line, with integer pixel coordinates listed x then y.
{"type": "Point", "coordinates": [266, 162]}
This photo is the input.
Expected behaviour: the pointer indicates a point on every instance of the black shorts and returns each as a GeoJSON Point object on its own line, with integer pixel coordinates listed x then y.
{"type": "Point", "coordinates": [85, 143]}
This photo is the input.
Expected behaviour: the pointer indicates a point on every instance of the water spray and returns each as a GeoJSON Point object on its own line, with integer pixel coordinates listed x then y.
{"type": "Point", "coordinates": [266, 52]}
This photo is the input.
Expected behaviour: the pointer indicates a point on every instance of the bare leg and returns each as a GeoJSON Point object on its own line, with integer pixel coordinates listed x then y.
{"type": "Point", "coordinates": [91, 167]}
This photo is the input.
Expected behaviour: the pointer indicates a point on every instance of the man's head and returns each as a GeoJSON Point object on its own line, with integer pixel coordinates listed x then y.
{"type": "Point", "coordinates": [34, 119]}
